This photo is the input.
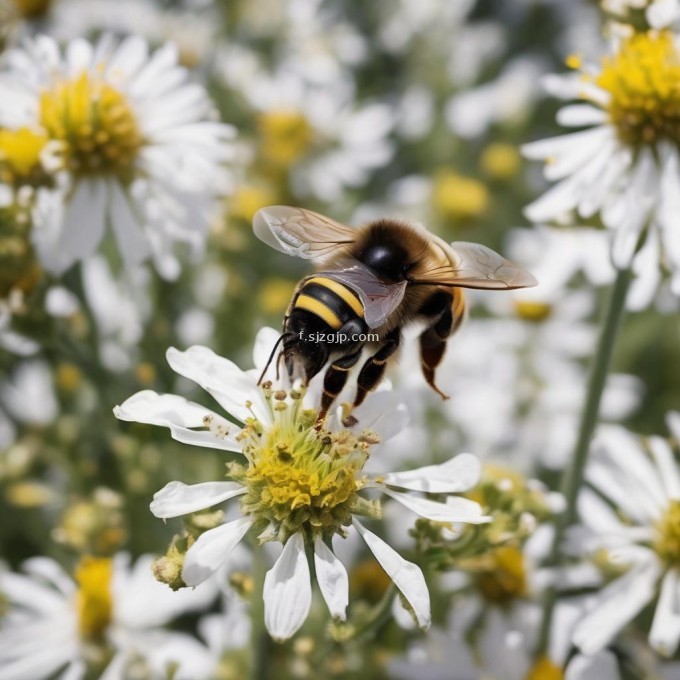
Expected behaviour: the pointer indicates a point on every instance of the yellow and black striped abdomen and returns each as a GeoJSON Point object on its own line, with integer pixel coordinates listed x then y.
{"type": "Point", "coordinates": [330, 300]}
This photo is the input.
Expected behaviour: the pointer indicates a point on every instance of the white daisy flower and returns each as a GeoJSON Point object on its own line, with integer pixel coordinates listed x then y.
{"type": "Point", "coordinates": [298, 485]}
{"type": "Point", "coordinates": [54, 623]}
{"type": "Point", "coordinates": [132, 144]}
{"type": "Point", "coordinates": [314, 130]}
{"type": "Point", "coordinates": [658, 13]}
{"type": "Point", "coordinates": [625, 164]}
{"type": "Point", "coordinates": [641, 536]}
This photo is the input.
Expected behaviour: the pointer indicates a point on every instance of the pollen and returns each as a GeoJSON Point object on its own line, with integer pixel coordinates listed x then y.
{"type": "Point", "coordinates": [285, 135]}
{"type": "Point", "coordinates": [94, 601]}
{"type": "Point", "coordinates": [300, 478]}
{"type": "Point", "coordinates": [95, 125]}
{"type": "Point", "coordinates": [643, 82]}
{"type": "Point", "coordinates": [20, 154]}
{"type": "Point", "coordinates": [667, 542]}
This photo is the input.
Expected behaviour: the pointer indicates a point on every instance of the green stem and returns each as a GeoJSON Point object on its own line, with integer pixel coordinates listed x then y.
{"type": "Point", "coordinates": [377, 617]}
{"type": "Point", "coordinates": [260, 642]}
{"type": "Point", "coordinates": [572, 478]}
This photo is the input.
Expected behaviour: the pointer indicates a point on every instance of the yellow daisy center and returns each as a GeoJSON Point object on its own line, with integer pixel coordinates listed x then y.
{"type": "Point", "coordinates": [32, 9]}
{"type": "Point", "coordinates": [545, 669]}
{"type": "Point", "coordinates": [94, 600]}
{"type": "Point", "coordinates": [503, 576]}
{"type": "Point", "coordinates": [300, 477]}
{"type": "Point", "coordinates": [285, 135]}
{"type": "Point", "coordinates": [667, 543]}
{"type": "Point", "coordinates": [459, 198]}
{"type": "Point", "coordinates": [20, 154]}
{"type": "Point", "coordinates": [643, 81]}
{"type": "Point", "coordinates": [532, 310]}
{"type": "Point", "coordinates": [247, 200]}
{"type": "Point", "coordinates": [95, 124]}
{"type": "Point", "coordinates": [500, 161]}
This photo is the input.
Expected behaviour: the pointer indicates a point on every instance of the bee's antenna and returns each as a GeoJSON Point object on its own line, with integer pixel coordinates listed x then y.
{"type": "Point", "coordinates": [271, 356]}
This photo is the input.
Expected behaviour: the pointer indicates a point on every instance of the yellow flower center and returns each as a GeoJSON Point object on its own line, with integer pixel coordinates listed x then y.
{"type": "Point", "coordinates": [286, 136]}
{"type": "Point", "coordinates": [459, 198]}
{"type": "Point", "coordinates": [503, 577]}
{"type": "Point", "coordinates": [643, 81]}
{"type": "Point", "coordinates": [20, 154]}
{"type": "Point", "coordinates": [545, 669]}
{"type": "Point", "coordinates": [532, 310]}
{"type": "Point", "coordinates": [247, 200]}
{"type": "Point", "coordinates": [274, 295]}
{"type": "Point", "coordinates": [300, 477]}
{"type": "Point", "coordinates": [95, 124]}
{"type": "Point", "coordinates": [32, 9]}
{"type": "Point", "coordinates": [94, 601]}
{"type": "Point", "coordinates": [667, 543]}
{"type": "Point", "coordinates": [500, 161]}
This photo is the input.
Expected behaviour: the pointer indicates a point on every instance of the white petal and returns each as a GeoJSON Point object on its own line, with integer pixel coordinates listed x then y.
{"type": "Point", "coordinates": [662, 13]}
{"type": "Point", "coordinates": [458, 474]}
{"type": "Point", "coordinates": [668, 468]}
{"type": "Point", "coordinates": [225, 381]}
{"type": "Point", "coordinates": [264, 343]}
{"type": "Point", "coordinates": [454, 510]}
{"type": "Point", "coordinates": [212, 550]}
{"type": "Point", "coordinates": [579, 115]}
{"type": "Point", "coordinates": [179, 415]}
{"type": "Point", "coordinates": [152, 408]}
{"type": "Point", "coordinates": [83, 225]}
{"type": "Point", "coordinates": [602, 666]}
{"type": "Point", "coordinates": [383, 413]}
{"type": "Point", "coordinates": [616, 606]}
{"type": "Point", "coordinates": [554, 146]}
{"type": "Point", "coordinates": [51, 571]}
{"type": "Point", "coordinates": [287, 590]}
{"type": "Point", "coordinates": [665, 632]}
{"type": "Point", "coordinates": [132, 243]}
{"type": "Point", "coordinates": [406, 576]}
{"type": "Point", "coordinates": [332, 578]}
{"type": "Point", "coordinates": [176, 498]}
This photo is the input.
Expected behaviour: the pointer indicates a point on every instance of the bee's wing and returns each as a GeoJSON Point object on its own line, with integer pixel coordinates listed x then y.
{"type": "Point", "coordinates": [476, 266]}
{"type": "Point", "coordinates": [379, 299]}
{"type": "Point", "coordinates": [301, 233]}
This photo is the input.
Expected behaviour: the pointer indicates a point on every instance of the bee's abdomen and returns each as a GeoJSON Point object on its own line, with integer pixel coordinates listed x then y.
{"type": "Point", "coordinates": [330, 300]}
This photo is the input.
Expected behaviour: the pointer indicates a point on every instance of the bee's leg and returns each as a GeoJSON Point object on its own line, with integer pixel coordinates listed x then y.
{"type": "Point", "coordinates": [372, 371]}
{"type": "Point", "coordinates": [447, 310]}
{"type": "Point", "coordinates": [335, 379]}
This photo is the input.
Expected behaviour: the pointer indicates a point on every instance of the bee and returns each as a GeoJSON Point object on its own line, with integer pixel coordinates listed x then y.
{"type": "Point", "coordinates": [375, 279]}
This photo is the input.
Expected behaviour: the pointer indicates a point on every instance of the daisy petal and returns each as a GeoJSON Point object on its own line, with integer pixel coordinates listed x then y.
{"type": "Point", "coordinates": [579, 115]}
{"type": "Point", "coordinates": [665, 632]}
{"type": "Point", "coordinates": [668, 469]}
{"type": "Point", "coordinates": [616, 605]}
{"type": "Point", "coordinates": [454, 510]}
{"type": "Point", "coordinates": [332, 578]}
{"type": "Point", "coordinates": [458, 474]}
{"type": "Point", "coordinates": [223, 379]}
{"type": "Point", "coordinates": [176, 498]}
{"type": "Point", "coordinates": [287, 590]}
{"type": "Point", "coordinates": [406, 576]}
{"type": "Point", "coordinates": [212, 549]}
{"type": "Point", "coordinates": [179, 415]}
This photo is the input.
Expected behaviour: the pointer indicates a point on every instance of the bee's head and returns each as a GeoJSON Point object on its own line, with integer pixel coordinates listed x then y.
{"type": "Point", "coordinates": [303, 357]}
